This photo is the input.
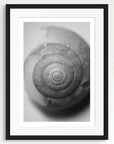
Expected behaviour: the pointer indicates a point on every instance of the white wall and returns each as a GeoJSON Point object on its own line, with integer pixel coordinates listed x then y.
{"type": "Point", "coordinates": [2, 69]}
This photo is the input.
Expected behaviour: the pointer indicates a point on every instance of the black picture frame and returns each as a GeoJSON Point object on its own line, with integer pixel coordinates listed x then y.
{"type": "Point", "coordinates": [57, 6]}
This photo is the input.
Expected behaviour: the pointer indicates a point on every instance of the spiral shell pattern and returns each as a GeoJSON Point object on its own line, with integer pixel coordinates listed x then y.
{"type": "Point", "coordinates": [58, 73]}
{"type": "Point", "coordinates": [58, 69]}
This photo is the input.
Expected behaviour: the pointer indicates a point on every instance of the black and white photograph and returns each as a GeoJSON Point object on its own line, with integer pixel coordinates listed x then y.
{"type": "Point", "coordinates": [56, 72]}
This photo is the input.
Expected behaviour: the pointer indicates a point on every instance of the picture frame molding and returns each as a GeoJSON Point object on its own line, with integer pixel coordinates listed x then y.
{"type": "Point", "coordinates": [57, 137]}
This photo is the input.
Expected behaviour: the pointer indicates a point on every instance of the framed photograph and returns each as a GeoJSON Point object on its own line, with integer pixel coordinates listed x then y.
{"type": "Point", "coordinates": [57, 71]}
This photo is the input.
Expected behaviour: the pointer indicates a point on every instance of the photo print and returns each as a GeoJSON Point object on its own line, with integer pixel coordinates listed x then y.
{"type": "Point", "coordinates": [57, 71]}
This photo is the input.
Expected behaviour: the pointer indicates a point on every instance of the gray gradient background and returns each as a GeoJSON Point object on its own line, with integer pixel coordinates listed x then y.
{"type": "Point", "coordinates": [32, 37]}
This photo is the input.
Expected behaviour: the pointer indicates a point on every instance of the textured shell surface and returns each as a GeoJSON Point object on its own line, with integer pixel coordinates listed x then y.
{"type": "Point", "coordinates": [57, 72]}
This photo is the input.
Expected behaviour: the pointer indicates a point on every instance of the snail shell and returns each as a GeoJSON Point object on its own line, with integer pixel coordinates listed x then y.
{"type": "Point", "coordinates": [57, 72]}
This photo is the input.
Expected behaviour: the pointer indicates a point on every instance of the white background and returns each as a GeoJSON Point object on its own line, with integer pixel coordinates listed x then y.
{"type": "Point", "coordinates": [18, 128]}
{"type": "Point", "coordinates": [2, 69]}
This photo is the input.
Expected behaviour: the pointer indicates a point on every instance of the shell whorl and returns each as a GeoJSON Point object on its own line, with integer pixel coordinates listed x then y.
{"type": "Point", "coordinates": [58, 70]}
